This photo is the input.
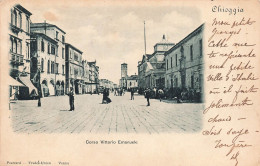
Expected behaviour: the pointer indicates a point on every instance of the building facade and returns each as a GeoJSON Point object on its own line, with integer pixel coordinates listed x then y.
{"type": "Point", "coordinates": [151, 70]}
{"type": "Point", "coordinates": [74, 69]}
{"type": "Point", "coordinates": [86, 79]}
{"type": "Point", "coordinates": [132, 82]}
{"type": "Point", "coordinates": [57, 34]}
{"type": "Point", "coordinates": [44, 69]}
{"type": "Point", "coordinates": [184, 63]}
{"type": "Point", "coordinates": [19, 54]}
{"type": "Point", "coordinates": [105, 83]}
{"type": "Point", "coordinates": [93, 77]}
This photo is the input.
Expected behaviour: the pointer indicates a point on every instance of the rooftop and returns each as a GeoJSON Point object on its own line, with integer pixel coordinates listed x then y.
{"type": "Point", "coordinates": [42, 25]}
{"type": "Point", "coordinates": [67, 44]}
{"type": "Point", "coordinates": [18, 6]}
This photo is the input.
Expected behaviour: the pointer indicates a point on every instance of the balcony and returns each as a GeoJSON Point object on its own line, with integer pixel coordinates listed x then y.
{"type": "Point", "coordinates": [16, 59]}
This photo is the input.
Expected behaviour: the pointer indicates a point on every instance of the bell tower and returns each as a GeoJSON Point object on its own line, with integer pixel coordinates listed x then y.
{"type": "Point", "coordinates": [123, 70]}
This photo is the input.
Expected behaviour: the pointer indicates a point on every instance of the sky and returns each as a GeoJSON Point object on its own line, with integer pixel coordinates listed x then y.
{"type": "Point", "coordinates": [114, 34]}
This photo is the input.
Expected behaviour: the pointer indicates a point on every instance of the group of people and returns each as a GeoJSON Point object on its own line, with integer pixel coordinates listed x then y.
{"type": "Point", "coordinates": [106, 99]}
{"type": "Point", "coordinates": [119, 92]}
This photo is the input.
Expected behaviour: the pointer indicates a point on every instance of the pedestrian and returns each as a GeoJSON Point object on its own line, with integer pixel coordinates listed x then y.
{"type": "Point", "coordinates": [132, 94]}
{"type": "Point", "coordinates": [160, 92]}
{"type": "Point", "coordinates": [147, 96]}
{"type": "Point", "coordinates": [71, 98]}
{"type": "Point", "coordinates": [106, 99]}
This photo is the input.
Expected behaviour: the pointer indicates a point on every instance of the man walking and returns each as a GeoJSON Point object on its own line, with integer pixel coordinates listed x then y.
{"type": "Point", "coordinates": [132, 93]}
{"type": "Point", "coordinates": [147, 96]}
{"type": "Point", "coordinates": [71, 98]}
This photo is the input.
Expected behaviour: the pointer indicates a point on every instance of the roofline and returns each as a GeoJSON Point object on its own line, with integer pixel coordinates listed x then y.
{"type": "Point", "coordinates": [164, 44]}
{"type": "Point", "coordinates": [20, 7]}
{"type": "Point", "coordinates": [47, 25]}
{"type": "Point", "coordinates": [184, 39]}
{"type": "Point", "coordinates": [67, 44]}
{"type": "Point", "coordinates": [41, 34]}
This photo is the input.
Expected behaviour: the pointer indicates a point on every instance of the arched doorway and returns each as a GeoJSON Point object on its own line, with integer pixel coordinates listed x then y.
{"type": "Point", "coordinates": [51, 87]}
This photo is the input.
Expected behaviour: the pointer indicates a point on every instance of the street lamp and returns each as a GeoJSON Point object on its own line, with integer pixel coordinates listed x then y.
{"type": "Point", "coordinates": [39, 86]}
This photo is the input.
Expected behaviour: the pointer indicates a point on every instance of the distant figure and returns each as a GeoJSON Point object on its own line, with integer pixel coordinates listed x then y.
{"type": "Point", "coordinates": [160, 92]}
{"type": "Point", "coordinates": [132, 94]}
{"type": "Point", "coordinates": [71, 98]}
{"type": "Point", "coordinates": [147, 96]}
{"type": "Point", "coordinates": [106, 99]}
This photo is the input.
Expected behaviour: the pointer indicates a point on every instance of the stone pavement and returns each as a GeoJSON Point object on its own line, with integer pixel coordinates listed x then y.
{"type": "Point", "coordinates": [90, 116]}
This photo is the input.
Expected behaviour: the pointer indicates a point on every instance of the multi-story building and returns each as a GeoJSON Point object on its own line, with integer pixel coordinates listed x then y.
{"type": "Point", "coordinates": [105, 83]}
{"type": "Point", "coordinates": [57, 34]}
{"type": "Point", "coordinates": [86, 86]}
{"type": "Point", "coordinates": [93, 77]}
{"type": "Point", "coordinates": [19, 55]}
{"type": "Point", "coordinates": [44, 70]}
{"type": "Point", "coordinates": [132, 82]}
{"type": "Point", "coordinates": [151, 70]}
{"type": "Point", "coordinates": [74, 69]}
{"type": "Point", "coordinates": [184, 62]}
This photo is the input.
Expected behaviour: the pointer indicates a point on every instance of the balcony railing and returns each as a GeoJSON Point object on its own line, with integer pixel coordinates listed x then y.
{"type": "Point", "coordinates": [16, 58]}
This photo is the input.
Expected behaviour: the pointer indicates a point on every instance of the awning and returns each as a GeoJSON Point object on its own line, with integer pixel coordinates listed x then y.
{"type": "Point", "coordinates": [26, 81]}
{"type": "Point", "coordinates": [13, 82]}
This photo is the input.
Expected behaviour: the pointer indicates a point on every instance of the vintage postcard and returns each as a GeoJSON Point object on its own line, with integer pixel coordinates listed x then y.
{"type": "Point", "coordinates": [129, 83]}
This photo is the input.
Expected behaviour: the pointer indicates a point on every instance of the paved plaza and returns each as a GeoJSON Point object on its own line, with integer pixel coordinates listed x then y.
{"type": "Point", "coordinates": [90, 116]}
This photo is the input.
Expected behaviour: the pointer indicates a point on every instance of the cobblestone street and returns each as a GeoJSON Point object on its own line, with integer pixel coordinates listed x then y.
{"type": "Point", "coordinates": [90, 116]}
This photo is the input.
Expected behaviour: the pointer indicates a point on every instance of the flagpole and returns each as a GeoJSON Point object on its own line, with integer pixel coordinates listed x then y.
{"type": "Point", "coordinates": [144, 40]}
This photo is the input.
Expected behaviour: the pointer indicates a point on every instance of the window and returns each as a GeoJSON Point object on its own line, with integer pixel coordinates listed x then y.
{"type": "Point", "coordinates": [171, 62]}
{"type": "Point", "coordinates": [14, 47]}
{"type": "Point", "coordinates": [20, 20]}
{"type": "Point", "coordinates": [49, 48]}
{"type": "Point", "coordinates": [12, 17]}
{"type": "Point", "coordinates": [76, 57]}
{"type": "Point", "coordinates": [57, 35]}
{"type": "Point", "coordinates": [200, 45]}
{"type": "Point", "coordinates": [167, 64]}
{"type": "Point", "coordinates": [56, 68]}
{"type": "Point", "coordinates": [15, 18]}
{"type": "Point", "coordinates": [52, 50]}
{"type": "Point", "coordinates": [63, 69]}
{"type": "Point", "coordinates": [42, 65]}
{"type": "Point", "coordinates": [191, 52]}
{"type": "Point", "coordinates": [176, 59]}
{"type": "Point", "coordinates": [63, 39]}
{"type": "Point", "coordinates": [63, 50]}
{"type": "Point", "coordinates": [27, 24]}
{"type": "Point", "coordinates": [52, 67]}
{"type": "Point", "coordinates": [27, 50]}
{"type": "Point", "coordinates": [18, 47]}
{"type": "Point", "coordinates": [48, 66]}
{"type": "Point", "coordinates": [42, 46]}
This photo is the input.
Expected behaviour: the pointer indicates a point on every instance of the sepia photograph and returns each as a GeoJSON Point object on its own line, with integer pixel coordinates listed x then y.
{"type": "Point", "coordinates": [119, 70]}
